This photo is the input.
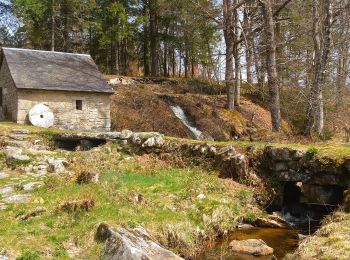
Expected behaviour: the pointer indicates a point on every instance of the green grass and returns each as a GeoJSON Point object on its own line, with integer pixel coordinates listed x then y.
{"type": "Point", "coordinates": [171, 205]}
{"type": "Point", "coordinates": [172, 211]}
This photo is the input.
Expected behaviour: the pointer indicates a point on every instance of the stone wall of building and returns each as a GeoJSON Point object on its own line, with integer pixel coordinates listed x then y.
{"type": "Point", "coordinates": [8, 110]}
{"type": "Point", "coordinates": [95, 113]}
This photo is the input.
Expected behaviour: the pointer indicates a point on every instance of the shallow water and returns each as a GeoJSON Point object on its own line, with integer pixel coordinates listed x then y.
{"type": "Point", "coordinates": [283, 241]}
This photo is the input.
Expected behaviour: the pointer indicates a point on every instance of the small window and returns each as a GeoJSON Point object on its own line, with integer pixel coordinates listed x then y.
{"type": "Point", "coordinates": [79, 104]}
{"type": "Point", "coordinates": [1, 96]}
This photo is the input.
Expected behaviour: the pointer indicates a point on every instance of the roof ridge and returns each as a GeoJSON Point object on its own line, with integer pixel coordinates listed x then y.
{"type": "Point", "coordinates": [56, 52]}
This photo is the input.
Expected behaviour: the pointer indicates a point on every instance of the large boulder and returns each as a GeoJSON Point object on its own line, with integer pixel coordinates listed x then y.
{"type": "Point", "coordinates": [14, 154]}
{"type": "Point", "coordinates": [154, 142]}
{"type": "Point", "coordinates": [56, 165]}
{"type": "Point", "coordinates": [135, 244]}
{"type": "Point", "coordinates": [255, 247]}
{"type": "Point", "coordinates": [271, 221]}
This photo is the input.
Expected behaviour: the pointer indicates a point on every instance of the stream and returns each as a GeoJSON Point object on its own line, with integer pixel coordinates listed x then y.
{"type": "Point", "coordinates": [180, 114]}
{"type": "Point", "coordinates": [282, 240]}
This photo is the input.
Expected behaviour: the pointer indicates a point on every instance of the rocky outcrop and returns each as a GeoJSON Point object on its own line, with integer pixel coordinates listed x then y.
{"type": "Point", "coordinates": [135, 244]}
{"type": "Point", "coordinates": [256, 247]}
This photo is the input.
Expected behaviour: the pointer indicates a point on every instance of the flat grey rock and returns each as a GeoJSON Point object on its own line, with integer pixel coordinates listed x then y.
{"type": "Point", "coordinates": [7, 190]}
{"type": "Point", "coordinates": [3, 175]}
{"type": "Point", "coordinates": [134, 244]}
{"type": "Point", "coordinates": [20, 131]}
{"type": "Point", "coordinates": [18, 137]}
{"type": "Point", "coordinates": [17, 199]}
{"type": "Point", "coordinates": [15, 154]}
{"type": "Point", "coordinates": [32, 185]}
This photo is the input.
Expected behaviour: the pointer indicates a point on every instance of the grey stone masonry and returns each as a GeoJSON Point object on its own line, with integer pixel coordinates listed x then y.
{"type": "Point", "coordinates": [8, 110]}
{"type": "Point", "coordinates": [94, 113]}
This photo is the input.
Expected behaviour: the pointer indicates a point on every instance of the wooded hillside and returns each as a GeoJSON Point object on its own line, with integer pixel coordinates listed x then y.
{"type": "Point", "coordinates": [277, 47]}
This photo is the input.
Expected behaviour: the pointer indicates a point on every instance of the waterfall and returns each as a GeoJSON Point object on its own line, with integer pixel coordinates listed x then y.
{"type": "Point", "coordinates": [180, 114]}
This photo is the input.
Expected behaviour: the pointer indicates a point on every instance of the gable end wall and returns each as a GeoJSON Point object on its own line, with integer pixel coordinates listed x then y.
{"type": "Point", "coordinates": [9, 109]}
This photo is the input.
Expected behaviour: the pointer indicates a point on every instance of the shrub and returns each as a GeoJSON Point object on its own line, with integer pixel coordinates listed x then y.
{"type": "Point", "coordinates": [29, 255]}
{"type": "Point", "coordinates": [326, 135]}
{"type": "Point", "coordinates": [311, 152]}
{"type": "Point", "coordinates": [60, 252]}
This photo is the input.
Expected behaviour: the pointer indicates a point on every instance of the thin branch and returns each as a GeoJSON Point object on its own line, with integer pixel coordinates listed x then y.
{"type": "Point", "coordinates": [206, 13]}
{"type": "Point", "coordinates": [259, 29]}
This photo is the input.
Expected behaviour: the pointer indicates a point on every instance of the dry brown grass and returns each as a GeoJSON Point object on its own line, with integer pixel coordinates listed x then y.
{"type": "Point", "coordinates": [139, 109]}
{"type": "Point", "coordinates": [143, 108]}
{"type": "Point", "coordinates": [331, 241]}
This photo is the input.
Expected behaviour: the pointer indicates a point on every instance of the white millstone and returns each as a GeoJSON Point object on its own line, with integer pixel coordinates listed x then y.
{"type": "Point", "coordinates": [41, 115]}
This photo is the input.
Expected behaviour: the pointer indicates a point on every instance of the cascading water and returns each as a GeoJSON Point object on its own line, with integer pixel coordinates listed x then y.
{"type": "Point", "coordinates": [180, 114]}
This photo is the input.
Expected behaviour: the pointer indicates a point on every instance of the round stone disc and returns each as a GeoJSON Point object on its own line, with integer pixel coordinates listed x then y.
{"type": "Point", "coordinates": [41, 115]}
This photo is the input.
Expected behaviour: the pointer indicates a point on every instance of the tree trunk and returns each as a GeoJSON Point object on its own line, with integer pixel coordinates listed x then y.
{"type": "Point", "coordinates": [343, 66]}
{"type": "Point", "coordinates": [248, 47]}
{"type": "Point", "coordinates": [65, 13]}
{"type": "Point", "coordinates": [117, 58]}
{"type": "Point", "coordinates": [321, 38]}
{"type": "Point", "coordinates": [186, 63]}
{"type": "Point", "coordinates": [154, 38]}
{"type": "Point", "coordinates": [53, 25]}
{"type": "Point", "coordinates": [237, 54]}
{"type": "Point", "coordinates": [146, 40]}
{"type": "Point", "coordinates": [271, 66]}
{"type": "Point", "coordinates": [165, 60]}
{"type": "Point", "coordinates": [228, 35]}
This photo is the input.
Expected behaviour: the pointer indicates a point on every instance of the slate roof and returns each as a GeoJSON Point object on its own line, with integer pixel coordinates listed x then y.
{"type": "Point", "coordinates": [45, 70]}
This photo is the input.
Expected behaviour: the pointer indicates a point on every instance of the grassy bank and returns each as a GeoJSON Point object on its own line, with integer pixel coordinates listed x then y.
{"type": "Point", "coordinates": [170, 207]}
{"type": "Point", "coordinates": [331, 241]}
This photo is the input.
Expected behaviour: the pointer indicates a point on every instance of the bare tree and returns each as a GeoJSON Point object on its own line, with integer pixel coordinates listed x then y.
{"type": "Point", "coordinates": [270, 41]}
{"type": "Point", "coordinates": [228, 24]}
{"type": "Point", "coordinates": [322, 21]}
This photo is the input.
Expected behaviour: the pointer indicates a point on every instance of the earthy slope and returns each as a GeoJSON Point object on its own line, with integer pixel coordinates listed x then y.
{"type": "Point", "coordinates": [145, 107]}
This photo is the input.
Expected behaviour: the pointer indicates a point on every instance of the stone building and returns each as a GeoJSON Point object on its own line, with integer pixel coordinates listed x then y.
{"type": "Point", "coordinates": [69, 84]}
